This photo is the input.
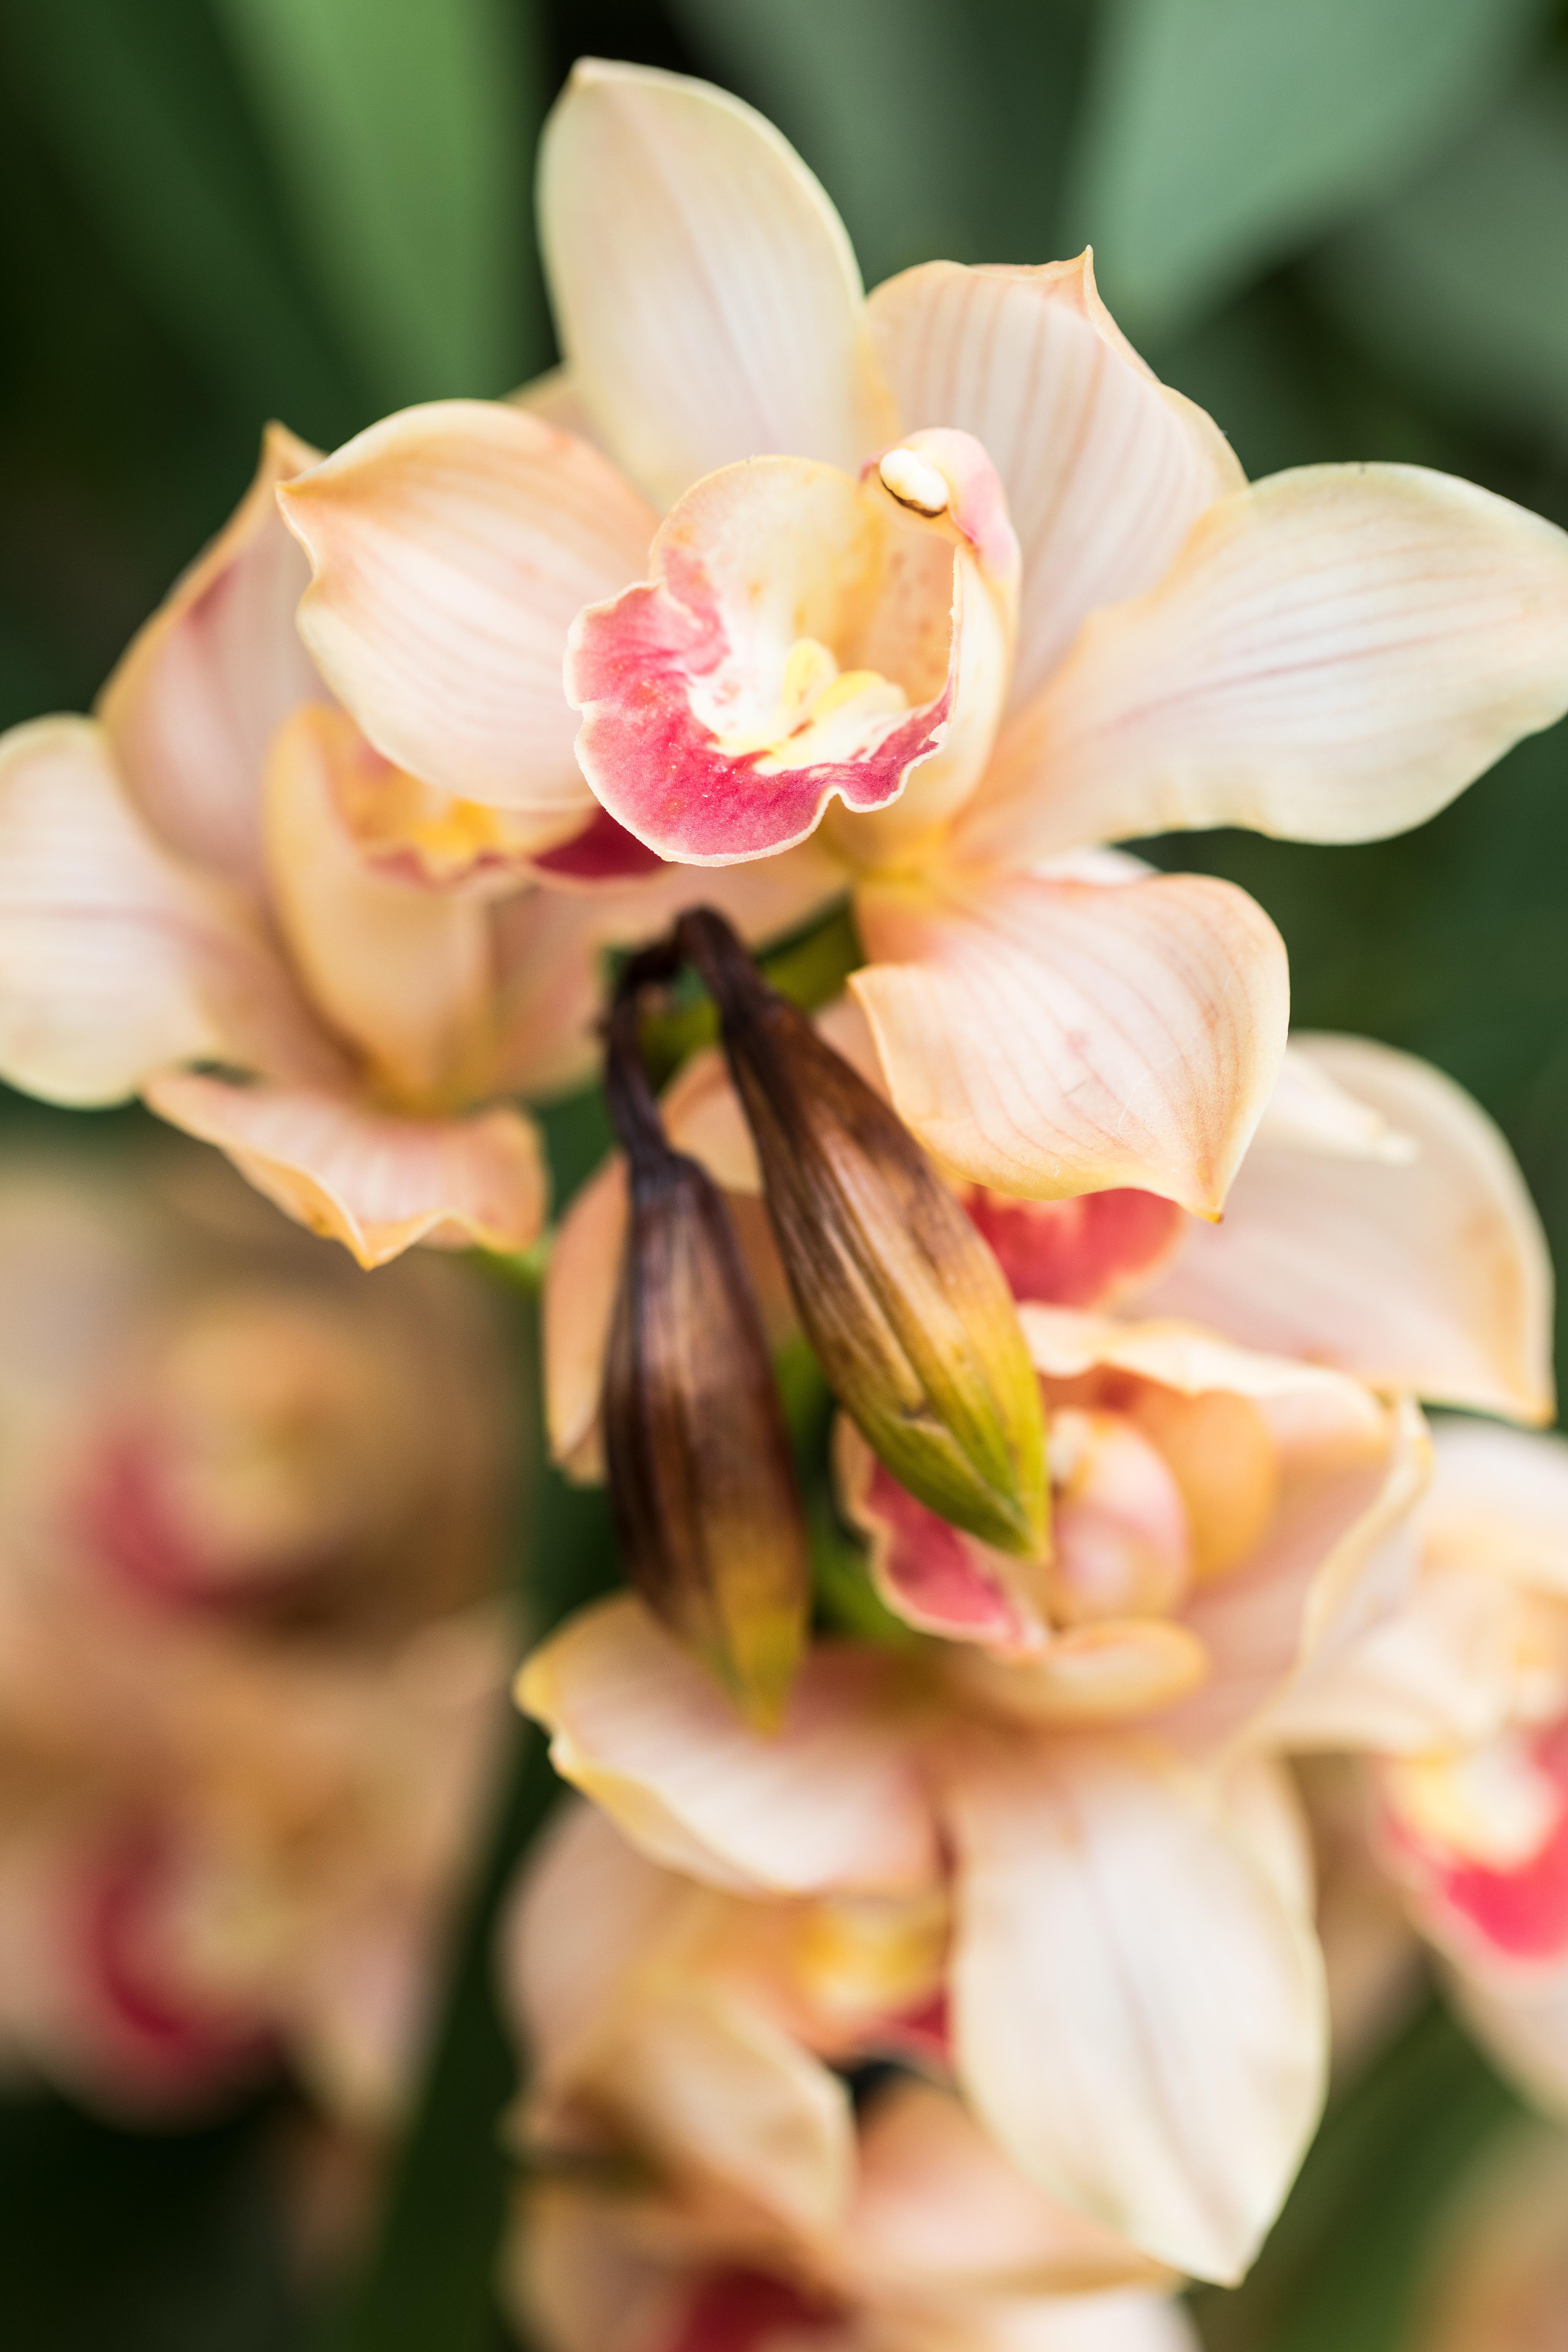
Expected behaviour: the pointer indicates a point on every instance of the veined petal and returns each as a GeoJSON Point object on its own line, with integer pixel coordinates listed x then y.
{"type": "Point", "coordinates": [1140, 2012]}
{"type": "Point", "coordinates": [116, 960]}
{"type": "Point", "coordinates": [1426, 1272]}
{"type": "Point", "coordinates": [707, 298]}
{"type": "Point", "coordinates": [938, 2208]}
{"type": "Point", "coordinates": [832, 1800]}
{"type": "Point", "coordinates": [195, 698]}
{"type": "Point", "coordinates": [1334, 653]}
{"type": "Point", "coordinates": [1105, 470]}
{"type": "Point", "coordinates": [399, 968]}
{"type": "Point", "coordinates": [801, 637]}
{"type": "Point", "coordinates": [1048, 1037]}
{"type": "Point", "coordinates": [373, 1181]}
{"type": "Point", "coordinates": [451, 546]}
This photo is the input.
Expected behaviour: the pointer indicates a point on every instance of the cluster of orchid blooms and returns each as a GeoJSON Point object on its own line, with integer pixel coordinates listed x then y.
{"type": "Point", "coordinates": [938, 1966]}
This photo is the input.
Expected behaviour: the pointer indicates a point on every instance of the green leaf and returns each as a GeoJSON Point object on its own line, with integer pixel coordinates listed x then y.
{"type": "Point", "coordinates": [1461, 284]}
{"type": "Point", "coordinates": [936, 127]}
{"type": "Point", "coordinates": [1221, 135]}
{"type": "Point", "coordinates": [403, 131]}
{"type": "Point", "coordinates": [147, 128]}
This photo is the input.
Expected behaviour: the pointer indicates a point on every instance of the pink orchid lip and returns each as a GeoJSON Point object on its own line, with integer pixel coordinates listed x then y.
{"type": "Point", "coordinates": [798, 640]}
{"type": "Point", "coordinates": [741, 2310]}
{"type": "Point", "coordinates": [603, 852]}
{"type": "Point", "coordinates": [175, 2041]}
{"type": "Point", "coordinates": [1519, 1914]}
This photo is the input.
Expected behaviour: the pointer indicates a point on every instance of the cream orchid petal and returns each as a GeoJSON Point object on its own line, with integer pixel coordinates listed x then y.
{"type": "Point", "coordinates": [369, 1179]}
{"type": "Point", "coordinates": [1499, 1502]}
{"type": "Point", "coordinates": [581, 1286]}
{"type": "Point", "coordinates": [1124, 2320]}
{"type": "Point", "coordinates": [554, 398]}
{"type": "Point", "coordinates": [1334, 653]}
{"type": "Point", "coordinates": [938, 2208]}
{"type": "Point", "coordinates": [582, 1914]}
{"type": "Point", "coordinates": [399, 968]}
{"type": "Point", "coordinates": [194, 699]}
{"type": "Point", "coordinates": [1048, 1037]}
{"type": "Point", "coordinates": [116, 961]}
{"type": "Point", "coordinates": [833, 1801]}
{"type": "Point", "coordinates": [577, 2277]}
{"type": "Point", "coordinates": [1105, 470]}
{"type": "Point", "coordinates": [1140, 2015]}
{"type": "Point", "coordinates": [450, 547]}
{"type": "Point", "coordinates": [1425, 1270]}
{"type": "Point", "coordinates": [1288, 1633]}
{"type": "Point", "coordinates": [720, 2093]}
{"type": "Point", "coordinates": [707, 298]}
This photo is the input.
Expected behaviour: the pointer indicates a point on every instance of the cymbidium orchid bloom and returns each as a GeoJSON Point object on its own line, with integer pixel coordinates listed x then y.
{"type": "Point", "coordinates": [947, 587]}
{"type": "Point", "coordinates": [216, 894]}
{"type": "Point", "coordinates": [250, 1685]}
{"type": "Point", "coordinates": [1233, 1539]}
{"type": "Point", "coordinates": [1460, 1704]}
{"type": "Point", "coordinates": [696, 2176]}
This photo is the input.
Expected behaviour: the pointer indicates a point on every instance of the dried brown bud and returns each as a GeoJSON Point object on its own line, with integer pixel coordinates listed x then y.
{"type": "Point", "coordinates": [701, 1479]}
{"type": "Point", "coordinates": [908, 1311]}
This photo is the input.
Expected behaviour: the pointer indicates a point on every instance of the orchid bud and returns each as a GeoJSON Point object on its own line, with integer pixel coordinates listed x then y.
{"type": "Point", "coordinates": [701, 1480]}
{"type": "Point", "coordinates": [906, 1307]}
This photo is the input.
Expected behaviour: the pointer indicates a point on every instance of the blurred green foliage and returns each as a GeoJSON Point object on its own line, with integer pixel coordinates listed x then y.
{"type": "Point", "coordinates": [1342, 225]}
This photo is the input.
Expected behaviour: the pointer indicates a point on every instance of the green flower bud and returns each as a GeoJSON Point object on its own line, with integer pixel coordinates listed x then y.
{"type": "Point", "coordinates": [908, 1311]}
{"type": "Point", "coordinates": [701, 1480]}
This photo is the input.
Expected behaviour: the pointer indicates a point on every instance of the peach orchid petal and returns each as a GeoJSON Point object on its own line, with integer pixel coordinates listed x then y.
{"type": "Point", "coordinates": [374, 1181]}
{"type": "Point", "coordinates": [802, 637]}
{"type": "Point", "coordinates": [451, 545]}
{"type": "Point", "coordinates": [1335, 653]}
{"type": "Point", "coordinates": [833, 1801]}
{"type": "Point", "coordinates": [715, 2089]}
{"type": "Point", "coordinates": [399, 968]}
{"type": "Point", "coordinates": [116, 960]}
{"type": "Point", "coordinates": [1105, 470]}
{"type": "Point", "coordinates": [194, 700]}
{"type": "Point", "coordinates": [1140, 2013]}
{"type": "Point", "coordinates": [586, 1909]}
{"type": "Point", "coordinates": [581, 1286]}
{"type": "Point", "coordinates": [938, 2208]}
{"type": "Point", "coordinates": [1426, 1273]}
{"type": "Point", "coordinates": [1104, 1672]}
{"type": "Point", "coordinates": [1288, 1632]}
{"type": "Point", "coordinates": [1498, 1502]}
{"type": "Point", "coordinates": [707, 298]}
{"type": "Point", "coordinates": [1046, 1037]}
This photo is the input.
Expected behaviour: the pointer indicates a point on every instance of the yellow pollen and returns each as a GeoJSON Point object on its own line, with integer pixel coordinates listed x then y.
{"type": "Point", "coordinates": [914, 481]}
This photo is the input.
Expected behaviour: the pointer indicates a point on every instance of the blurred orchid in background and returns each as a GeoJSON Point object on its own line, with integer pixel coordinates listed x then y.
{"type": "Point", "coordinates": [252, 1659]}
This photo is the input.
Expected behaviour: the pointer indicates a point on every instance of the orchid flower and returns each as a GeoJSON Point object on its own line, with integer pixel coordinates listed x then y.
{"type": "Point", "coordinates": [217, 895]}
{"type": "Point", "coordinates": [754, 2204]}
{"type": "Point", "coordinates": [250, 1685]}
{"type": "Point", "coordinates": [1459, 1707]}
{"type": "Point", "coordinates": [947, 587]}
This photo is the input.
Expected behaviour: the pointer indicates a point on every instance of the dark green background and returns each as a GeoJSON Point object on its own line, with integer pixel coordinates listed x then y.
{"type": "Point", "coordinates": [1341, 225]}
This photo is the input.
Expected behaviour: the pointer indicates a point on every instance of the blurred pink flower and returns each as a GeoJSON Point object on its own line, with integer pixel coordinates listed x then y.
{"type": "Point", "coordinates": [251, 1671]}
